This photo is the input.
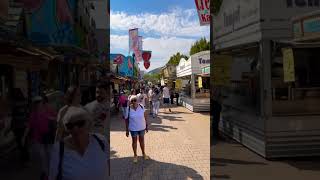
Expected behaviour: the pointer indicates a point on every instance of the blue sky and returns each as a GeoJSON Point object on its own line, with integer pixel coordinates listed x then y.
{"type": "Point", "coordinates": [167, 27]}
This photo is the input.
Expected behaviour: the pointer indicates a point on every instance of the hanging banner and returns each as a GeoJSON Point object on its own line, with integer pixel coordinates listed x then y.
{"type": "Point", "coordinates": [133, 40]}
{"type": "Point", "coordinates": [146, 55]}
{"type": "Point", "coordinates": [140, 43]}
{"type": "Point", "coordinates": [221, 70]}
{"type": "Point", "coordinates": [130, 66]}
{"type": "Point", "coordinates": [138, 55]}
{"type": "Point", "coordinates": [178, 84]}
{"type": "Point", "coordinates": [146, 64]}
{"type": "Point", "coordinates": [200, 82]}
{"type": "Point", "coordinates": [203, 7]}
{"type": "Point", "coordinates": [288, 65]}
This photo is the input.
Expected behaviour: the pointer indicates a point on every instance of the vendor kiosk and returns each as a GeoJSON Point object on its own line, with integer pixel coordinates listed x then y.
{"type": "Point", "coordinates": [195, 94]}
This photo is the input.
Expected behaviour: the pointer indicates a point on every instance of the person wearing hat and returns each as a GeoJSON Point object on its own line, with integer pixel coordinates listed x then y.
{"type": "Point", "coordinates": [81, 155]}
{"type": "Point", "coordinates": [136, 124]}
{"type": "Point", "coordinates": [37, 129]}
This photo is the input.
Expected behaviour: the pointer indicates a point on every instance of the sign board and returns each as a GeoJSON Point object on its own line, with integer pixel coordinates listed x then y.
{"type": "Point", "coordinates": [222, 70]}
{"type": "Point", "coordinates": [200, 82]}
{"type": "Point", "coordinates": [203, 8]}
{"type": "Point", "coordinates": [288, 65]}
{"type": "Point", "coordinates": [178, 84]}
{"type": "Point", "coordinates": [4, 6]}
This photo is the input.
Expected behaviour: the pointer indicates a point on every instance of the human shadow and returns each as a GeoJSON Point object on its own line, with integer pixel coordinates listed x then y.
{"type": "Point", "coordinates": [219, 177]}
{"type": "Point", "coordinates": [170, 118]}
{"type": "Point", "coordinates": [124, 168]}
{"type": "Point", "coordinates": [113, 153]}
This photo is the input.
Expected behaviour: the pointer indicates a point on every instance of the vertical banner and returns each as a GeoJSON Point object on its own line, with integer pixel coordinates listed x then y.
{"type": "Point", "coordinates": [221, 70]}
{"type": "Point", "coordinates": [140, 43]}
{"type": "Point", "coordinates": [133, 40]}
{"type": "Point", "coordinates": [203, 8]}
{"type": "Point", "coordinates": [288, 65]}
{"type": "Point", "coordinates": [200, 82]}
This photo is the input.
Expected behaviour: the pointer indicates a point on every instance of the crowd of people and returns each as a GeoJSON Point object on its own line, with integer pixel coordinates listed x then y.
{"type": "Point", "coordinates": [70, 143]}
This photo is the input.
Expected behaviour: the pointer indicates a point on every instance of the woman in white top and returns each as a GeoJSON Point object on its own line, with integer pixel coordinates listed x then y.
{"type": "Point", "coordinates": [136, 123]}
{"type": "Point", "coordinates": [80, 156]}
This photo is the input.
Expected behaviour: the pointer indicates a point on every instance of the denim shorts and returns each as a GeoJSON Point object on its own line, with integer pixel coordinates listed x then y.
{"type": "Point", "coordinates": [136, 133]}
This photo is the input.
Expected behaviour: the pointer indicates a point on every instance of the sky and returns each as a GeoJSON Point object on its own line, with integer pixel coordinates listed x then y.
{"type": "Point", "coordinates": [167, 27]}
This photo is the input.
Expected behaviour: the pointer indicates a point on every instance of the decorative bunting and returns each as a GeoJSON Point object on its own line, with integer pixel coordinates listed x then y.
{"type": "Point", "coordinates": [146, 55]}
{"type": "Point", "coordinates": [146, 64]}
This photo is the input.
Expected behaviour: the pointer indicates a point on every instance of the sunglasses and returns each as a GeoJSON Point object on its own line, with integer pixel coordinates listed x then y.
{"type": "Point", "coordinates": [134, 100]}
{"type": "Point", "coordinates": [79, 124]}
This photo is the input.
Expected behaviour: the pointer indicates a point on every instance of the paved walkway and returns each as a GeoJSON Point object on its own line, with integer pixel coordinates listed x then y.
{"type": "Point", "coordinates": [177, 142]}
{"type": "Point", "coordinates": [230, 160]}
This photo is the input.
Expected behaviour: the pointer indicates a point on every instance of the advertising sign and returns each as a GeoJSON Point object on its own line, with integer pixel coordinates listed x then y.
{"type": "Point", "coordinates": [203, 8]}
{"type": "Point", "coordinates": [222, 70]}
{"type": "Point", "coordinates": [200, 82]}
{"type": "Point", "coordinates": [288, 65]}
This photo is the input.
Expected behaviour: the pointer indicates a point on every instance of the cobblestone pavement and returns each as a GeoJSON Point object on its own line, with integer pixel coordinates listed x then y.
{"type": "Point", "coordinates": [230, 160]}
{"type": "Point", "coordinates": [178, 144]}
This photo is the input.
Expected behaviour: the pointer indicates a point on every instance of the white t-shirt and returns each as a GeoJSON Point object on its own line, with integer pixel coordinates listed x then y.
{"type": "Point", "coordinates": [92, 165]}
{"type": "Point", "coordinates": [99, 111]}
{"type": "Point", "coordinates": [166, 93]}
{"type": "Point", "coordinates": [142, 99]}
{"type": "Point", "coordinates": [137, 122]}
{"type": "Point", "coordinates": [150, 94]}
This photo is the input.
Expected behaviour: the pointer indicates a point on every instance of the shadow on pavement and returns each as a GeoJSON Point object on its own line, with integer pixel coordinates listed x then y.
{"type": "Point", "coordinates": [303, 163]}
{"type": "Point", "coordinates": [224, 162]}
{"type": "Point", "coordinates": [220, 177]}
{"type": "Point", "coordinates": [124, 168]}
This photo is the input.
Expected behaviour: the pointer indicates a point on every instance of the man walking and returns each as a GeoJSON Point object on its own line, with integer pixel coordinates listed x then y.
{"type": "Point", "coordinates": [150, 98]}
{"type": "Point", "coordinates": [99, 110]}
{"type": "Point", "coordinates": [166, 97]}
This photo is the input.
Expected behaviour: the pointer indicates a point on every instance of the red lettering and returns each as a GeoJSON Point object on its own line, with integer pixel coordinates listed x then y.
{"type": "Point", "coordinates": [203, 17]}
{"type": "Point", "coordinates": [207, 4]}
{"type": "Point", "coordinates": [199, 6]}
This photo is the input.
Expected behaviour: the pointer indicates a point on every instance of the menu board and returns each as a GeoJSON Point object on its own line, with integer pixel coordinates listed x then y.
{"type": "Point", "coordinates": [288, 65]}
{"type": "Point", "coordinates": [221, 70]}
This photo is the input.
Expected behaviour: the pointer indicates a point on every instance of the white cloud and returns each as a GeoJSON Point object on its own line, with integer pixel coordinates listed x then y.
{"type": "Point", "coordinates": [162, 48]}
{"type": "Point", "coordinates": [176, 22]}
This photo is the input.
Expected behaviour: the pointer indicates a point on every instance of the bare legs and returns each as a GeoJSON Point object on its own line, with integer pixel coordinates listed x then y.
{"type": "Point", "coordinates": [134, 145]}
{"type": "Point", "coordinates": [141, 141]}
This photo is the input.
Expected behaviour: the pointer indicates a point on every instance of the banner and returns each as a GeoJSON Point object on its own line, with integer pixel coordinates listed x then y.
{"type": "Point", "coordinates": [140, 43]}
{"type": "Point", "coordinates": [221, 70]}
{"type": "Point", "coordinates": [288, 65]}
{"type": "Point", "coordinates": [133, 40]}
{"type": "Point", "coordinates": [203, 8]}
{"type": "Point", "coordinates": [178, 84]}
{"type": "Point", "coordinates": [200, 82]}
{"type": "Point", "coordinates": [138, 55]}
{"type": "Point", "coordinates": [146, 55]}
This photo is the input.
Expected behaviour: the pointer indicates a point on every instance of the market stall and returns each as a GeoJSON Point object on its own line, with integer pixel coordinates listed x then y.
{"type": "Point", "coordinates": [194, 96]}
{"type": "Point", "coordinates": [269, 81]}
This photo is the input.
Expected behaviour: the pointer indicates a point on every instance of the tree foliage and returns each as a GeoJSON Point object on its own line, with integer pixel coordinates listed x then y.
{"type": "Point", "coordinates": [200, 45]}
{"type": "Point", "coordinates": [175, 59]}
{"type": "Point", "coordinates": [216, 6]}
{"type": "Point", "coordinates": [154, 78]}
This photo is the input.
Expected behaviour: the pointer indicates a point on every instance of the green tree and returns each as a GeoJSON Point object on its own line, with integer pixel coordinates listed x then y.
{"type": "Point", "coordinates": [200, 45]}
{"type": "Point", "coordinates": [175, 59]}
{"type": "Point", "coordinates": [154, 78]}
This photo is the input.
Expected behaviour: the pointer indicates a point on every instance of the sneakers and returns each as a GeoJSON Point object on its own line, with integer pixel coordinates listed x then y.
{"type": "Point", "coordinates": [135, 159]}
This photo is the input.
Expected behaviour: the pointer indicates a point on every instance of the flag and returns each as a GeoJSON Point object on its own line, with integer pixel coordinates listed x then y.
{"type": "Point", "coordinates": [129, 63]}
{"type": "Point", "coordinates": [146, 55]}
{"type": "Point", "coordinates": [140, 43]}
{"type": "Point", "coordinates": [133, 40]}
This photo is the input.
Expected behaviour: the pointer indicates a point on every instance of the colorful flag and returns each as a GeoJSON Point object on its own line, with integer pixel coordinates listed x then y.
{"type": "Point", "coordinates": [203, 7]}
{"type": "Point", "coordinates": [133, 40]}
{"type": "Point", "coordinates": [140, 43]}
{"type": "Point", "coordinates": [146, 55]}
{"type": "Point", "coordinates": [129, 63]}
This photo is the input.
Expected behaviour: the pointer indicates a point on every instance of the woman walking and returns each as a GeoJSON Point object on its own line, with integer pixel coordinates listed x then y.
{"type": "Point", "coordinates": [72, 99]}
{"type": "Point", "coordinates": [81, 155]}
{"type": "Point", "coordinates": [123, 104]}
{"type": "Point", "coordinates": [156, 96]}
{"type": "Point", "coordinates": [38, 128]}
{"type": "Point", "coordinates": [136, 124]}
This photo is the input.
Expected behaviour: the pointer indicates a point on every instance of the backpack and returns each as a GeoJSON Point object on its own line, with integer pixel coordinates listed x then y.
{"type": "Point", "coordinates": [61, 154]}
